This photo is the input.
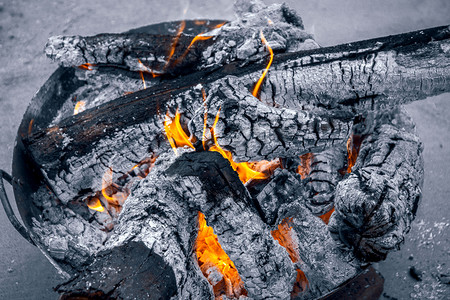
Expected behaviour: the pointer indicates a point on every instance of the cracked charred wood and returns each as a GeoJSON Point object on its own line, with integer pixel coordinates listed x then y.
{"type": "Point", "coordinates": [321, 178]}
{"type": "Point", "coordinates": [162, 212]}
{"type": "Point", "coordinates": [74, 155]}
{"type": "Point", "coordinates": [180, 53]}
{"type": "Point", "coordinates": [325, 266]}
{"type": "Point", "coordinates": [130, 271]}
{"type": "Point", "coordinates": [361, 76]}
{"type": "Point", "coordinates": [376, 203]}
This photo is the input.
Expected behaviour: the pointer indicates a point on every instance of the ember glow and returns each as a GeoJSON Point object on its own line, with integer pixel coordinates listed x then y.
{"type": "Point", "coordinates": [212, 259]}
{"type": "Point", "coordinates": [79, 107]}
{"type": "Point", "coordinates": [255, 92]}
{"type": "Point", "coordinates": [95, 204]}
{"type": "Point", "coordinates": [353, 145]}
{"type": "Point", "coordinates": [304, 169]}
{"type": "Point", "coordinates": [175, 133]}
{"type": "Point", "coordinates": [175, 42]}
{"type": "Point", "coordinates": [87, 66]}
{"type": "Point", "coordinates": [284, 236]}
{"type": "Point", "coordinates": [326, 216]}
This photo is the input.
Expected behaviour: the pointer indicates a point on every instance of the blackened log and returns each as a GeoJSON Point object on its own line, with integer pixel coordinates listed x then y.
{"type": "Point", "coordinates": [130, 271]}
{"type": "Point", "coordinates": [377, 202]}
{"type": "Point", "coordinates": [232, 41]}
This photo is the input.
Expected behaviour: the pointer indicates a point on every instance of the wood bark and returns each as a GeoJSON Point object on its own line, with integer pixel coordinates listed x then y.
{"type": "Point", "coordinates": [352, 78]}
{"type": "Point", "coordinates": [376, 203]}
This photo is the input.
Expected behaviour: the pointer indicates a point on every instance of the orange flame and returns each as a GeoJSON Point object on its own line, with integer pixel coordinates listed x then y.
{"type": "Point", "coordinates": [87, 66]}
{"type": "Point", "coordinates": [243, 169]}
{"type": "Point", "coordinates": [95, 204]}
{"type": "Point", "coordinates": [175, 133]}
{"type": "Point", "coordinates": [284, 236]}
{"type": "Point", "coordinates": [114, 197]}
{"type": "Point", "coordinates": [205, 119]}
{"type": "Point", "coordinates": [198, 37]}
{"type": "Point", "coordinates": [175, 42]}
{"type": "Point", "coordinates": [143, 79]}
{"type": "Point", "coordinates": [211, 256]}
{"type": "Point", "coordinates": [220, 25]}
{"type": "Point", "coordinates": [258, 84]}
{"type": "Point", "coordinates": [79, 107]}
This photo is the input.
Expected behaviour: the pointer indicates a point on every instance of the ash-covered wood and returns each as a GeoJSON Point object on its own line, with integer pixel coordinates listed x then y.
{"type": "Point", "coordinates": [162, 212]}
{"type": "Point", "coordinates": [220, 43]}
{"type": "Point", "coordinates": [131, 271]}
{"type": "Point", "coordinates": [376, 203]}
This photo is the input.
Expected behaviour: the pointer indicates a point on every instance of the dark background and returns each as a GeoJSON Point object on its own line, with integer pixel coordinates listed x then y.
{"type": "Point", "coordinates": [25, 26]}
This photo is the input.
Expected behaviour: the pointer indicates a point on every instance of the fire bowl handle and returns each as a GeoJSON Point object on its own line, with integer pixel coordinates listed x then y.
{"type": "Point", "coordinates": [20, 228]}
{"type": "Point", "coordinates": [8, 209]}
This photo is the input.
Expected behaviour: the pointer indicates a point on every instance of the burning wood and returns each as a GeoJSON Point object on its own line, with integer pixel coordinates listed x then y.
{"type": "Point", "coordinates": [268, 150]}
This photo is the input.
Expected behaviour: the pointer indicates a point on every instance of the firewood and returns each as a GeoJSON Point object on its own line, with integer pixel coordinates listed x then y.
{"type": "Point", "coordinates": [377, 202]}
{"type": "Point", "coordinates": [162, 213]}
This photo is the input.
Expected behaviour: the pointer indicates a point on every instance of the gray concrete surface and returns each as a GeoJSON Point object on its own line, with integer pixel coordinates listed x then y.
{"type": "Point", "coordinates": [25, 25]}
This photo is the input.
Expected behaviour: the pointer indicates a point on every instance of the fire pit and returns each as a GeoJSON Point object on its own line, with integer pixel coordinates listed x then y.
{"type": "Point", "coordinates": [202, 159]}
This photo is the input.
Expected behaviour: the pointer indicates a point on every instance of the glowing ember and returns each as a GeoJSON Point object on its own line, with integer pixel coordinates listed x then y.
{"type": "Point", "coordinates": [255, 92]}
{"type": "Point", "coordinates": [87, 66]}
{"type": "Point", "coordinates": [212, 259]}
{"type": "Point", "coordinates": [79, 107]}
{"type": "Point", "coordinates": [175, 133]}
{"type": "Point", "coordinates": [284, 236]}
{"type": "Point", "coordinates": [353, 145]}
{"type": "Point", "coordinates": [243, 169]}
{"type": "Point", "coordinates": [305, 165]}
{"type": "Point", "coordinates": [95, 204]}
{"type": "Point", "coordinates": [326, 216]}
{"type": "Point", "coordinates": [30, 126]}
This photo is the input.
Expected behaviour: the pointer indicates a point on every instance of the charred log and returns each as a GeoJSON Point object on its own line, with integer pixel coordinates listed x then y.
{"type": "Point", "coordinates": [162, 213]}
{"type": "Point", "coordinates": [131, 271]}
{"type": "Point", "coordinates": [376, 203]}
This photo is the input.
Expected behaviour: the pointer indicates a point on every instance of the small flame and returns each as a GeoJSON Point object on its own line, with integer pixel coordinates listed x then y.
{"type": "Point", "coordinates": [87, 66]}
{"type": "Point", "coordinates": [198, 37]}
{"type": "Point", "coordinates": [175, 133]}
{"type": "Point", "coordinates": [112, 195]}
{"type": "Point", "coordinates": [95, 204]}
{"type": "Point", "coordinates": [146, 69]}
{"type": "Point", "coordinates": [80, 106]}
{"type": "Point", "coordinates": [205, 119]}
{"type": "Point", "coordinates": [175, 42]}
{"type": "Point", "coordinates": [243, 169]}
{"type": "Point", "coordinates": [258, 84]}
{"type": "Point", "coordinates": [220, 25]}
{"type": "Point", "coordinates": [284, 236]}
{"type": "Point", "coordinates": [210, 256]}
{"type": "Point", "coordinates": [143, 79]}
